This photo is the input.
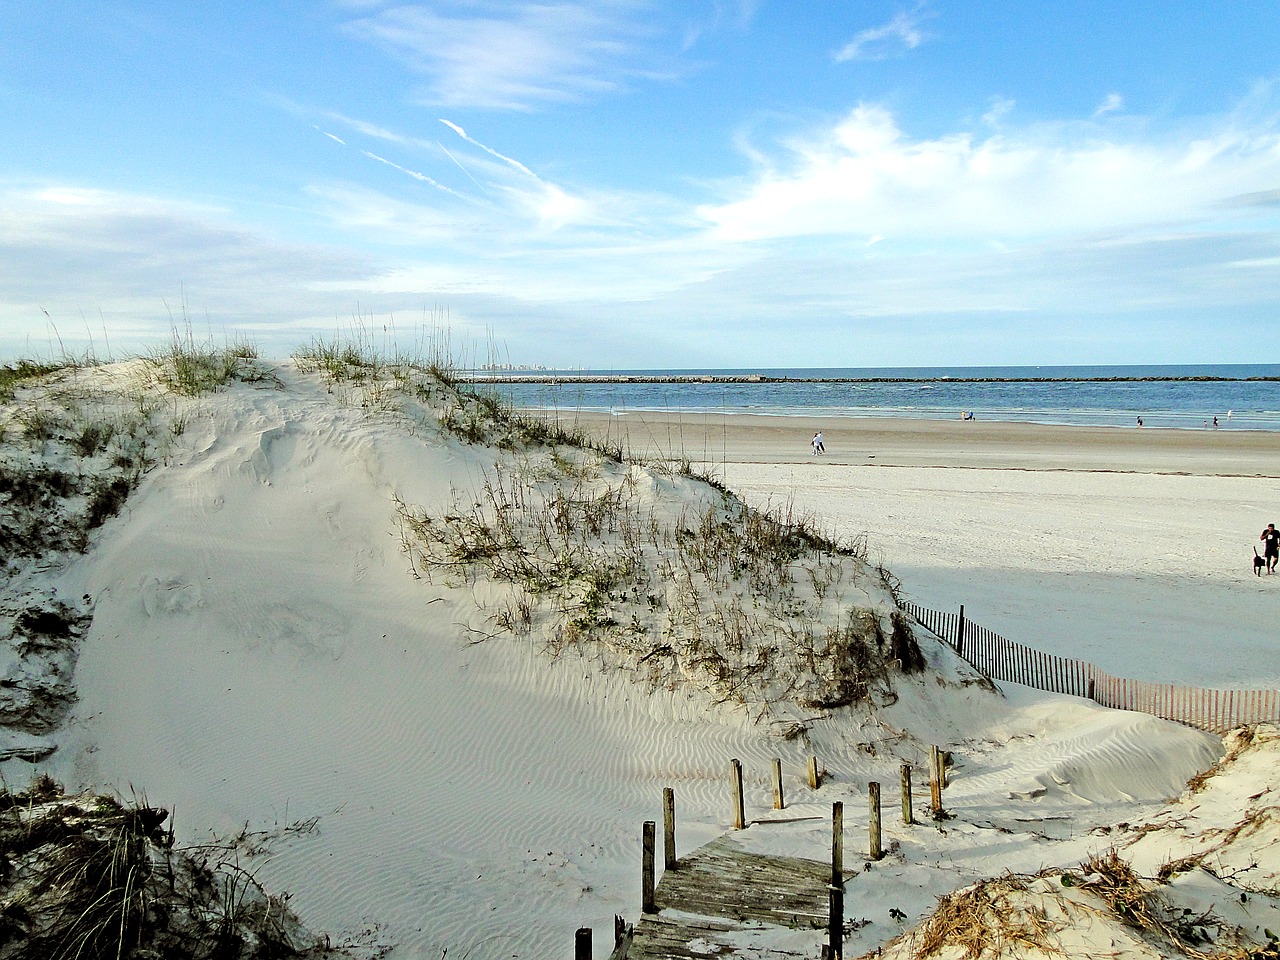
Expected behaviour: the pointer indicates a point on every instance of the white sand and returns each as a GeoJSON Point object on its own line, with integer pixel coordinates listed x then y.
{"type": "Point", "coordinates": [260, 655]}
{"type": "Point", "coordinates": [1131, 549]}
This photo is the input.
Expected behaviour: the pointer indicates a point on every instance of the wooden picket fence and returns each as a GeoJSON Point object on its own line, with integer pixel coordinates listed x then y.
{"type": "Point", "coordinates": [1214, 710]}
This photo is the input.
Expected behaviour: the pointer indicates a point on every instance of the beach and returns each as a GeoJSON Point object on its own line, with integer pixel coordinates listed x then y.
{"type": "Point", "coordinates": [1127, 547]}
{"type": "Point", "coordinates": [267, 652]}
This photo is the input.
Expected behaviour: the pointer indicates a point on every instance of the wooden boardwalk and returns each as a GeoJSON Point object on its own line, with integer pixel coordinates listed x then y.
{"type": "Point", "coordinates": [721, 891]}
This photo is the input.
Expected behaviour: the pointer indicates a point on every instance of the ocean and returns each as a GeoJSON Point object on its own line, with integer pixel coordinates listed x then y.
{"type": "Point", "coordinates": [1240, 396]}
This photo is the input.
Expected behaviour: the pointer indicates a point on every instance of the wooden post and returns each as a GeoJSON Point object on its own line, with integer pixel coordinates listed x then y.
{"type": "Point", "coordinates": [582, 944]}
{"type": "Point", "coordinates": [907, 816]}
{"type": "Point", "coordinates": [814, 780]}
{"type": "Point", "coordinates": [668, 828]}
{"type": "Point", "coordinates": [837, 844]}
{"type": "Point", "coordinates": [960, 632]}
{"type": "Point", "coordinates": [619, 930]}
{"type": "Point", "coordinates": [835, 922]}
{"type": "Point", "coordinates": [646, 868]}
{"type": "Point", "coordinates": [777, 785]}
{"type": "Point", "coordinates": [935, 782]}
{"type": "Point", "coordinates": [739, 803]}
{"type": "Point", "coordinates": [873, 828]}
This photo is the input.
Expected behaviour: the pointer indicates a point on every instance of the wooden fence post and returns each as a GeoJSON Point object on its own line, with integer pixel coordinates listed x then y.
{"type": "Point", "coordinates": [778, 803]}
{"type": "Point", "coordinates": [873, 829]}
{"type": "Point", "coordinates": [814, 780]}
{"type": "Point", "coordinates": [935, 781]}
{"type": "Point", "coordinates": [907, 816]}
{"type": "Point", "coordinates": [582, 944]}
{"type": "Point", "coordinates": [668, 828]}
{"type": "Point", "coordinates": [960, 632]}
{"type": "Point", "coordinates": [739, 802]}
{"type": "Point", "coordinates": [646, 868]}
{"type": "Point", "coordinates": [835, 922]}
{"type": "Point", "coordinates": [837, 844]}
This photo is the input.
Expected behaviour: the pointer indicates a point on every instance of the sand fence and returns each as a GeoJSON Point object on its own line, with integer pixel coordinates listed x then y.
{"type": "Point", "coordinates": [1216, 711]}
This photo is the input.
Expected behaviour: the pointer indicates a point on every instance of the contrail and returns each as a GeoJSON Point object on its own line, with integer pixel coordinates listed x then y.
{"type": "Point", "coordinates": [332, 136]}
{"type": "Point", "coordinates": [515, 163]}
{"type": "Point", "coordinates": [413, 173]}
{"type": "Point", "coordinates": [459, 165]}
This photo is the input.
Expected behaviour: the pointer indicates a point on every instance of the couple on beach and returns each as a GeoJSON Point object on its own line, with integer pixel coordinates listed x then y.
{"type": "Point", "coordinates": [1270, 547]}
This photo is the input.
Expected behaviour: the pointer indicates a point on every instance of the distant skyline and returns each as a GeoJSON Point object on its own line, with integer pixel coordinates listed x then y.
{"type": "Point", "coordinates": [642, 183]}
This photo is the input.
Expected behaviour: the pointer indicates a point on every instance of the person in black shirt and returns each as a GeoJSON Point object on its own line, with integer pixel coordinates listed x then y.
{"type": "Point", "coordinates": [1271, 547]}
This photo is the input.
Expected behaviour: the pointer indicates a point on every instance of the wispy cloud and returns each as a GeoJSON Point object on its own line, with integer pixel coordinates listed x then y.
{"type": "Point", "coordinates": [69, 250]}
{"type": "Point", "coordinates": [891, 39]}
{"type": "Point", "coordinates": [517, 55]}
{"type": "Point", "coordinates": [1111, 103]}
{"type": "Point", "coordinates": [864, 176]}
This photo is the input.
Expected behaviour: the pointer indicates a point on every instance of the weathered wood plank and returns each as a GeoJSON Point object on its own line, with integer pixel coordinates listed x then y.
{"type": "Point", "coordinates": [722, 889]}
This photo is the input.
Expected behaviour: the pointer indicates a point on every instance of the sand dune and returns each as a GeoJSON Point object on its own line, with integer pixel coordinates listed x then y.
{"type": "Point", "coordinates": [261, 654]}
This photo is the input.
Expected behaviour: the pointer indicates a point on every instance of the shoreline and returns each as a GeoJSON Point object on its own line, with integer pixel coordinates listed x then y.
{"type": "Point", "coordinates": [719, 437]}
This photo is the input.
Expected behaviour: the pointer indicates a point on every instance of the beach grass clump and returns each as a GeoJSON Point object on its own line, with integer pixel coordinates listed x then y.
{"type": "Point", "coordinates": [16, 374]}
{"type": "Point", "coordinates": [1041, 915]}
{"type": "Point", "coordinates": [88, 877]}
{"type": "Point", "coordinates": [192, 367]}
{"type": "Point", "coordinates": [671, 579]}
{"type": "Point", "coordinates": [470, 411]}
{"type": "Point", "coordinates": [988, 919]}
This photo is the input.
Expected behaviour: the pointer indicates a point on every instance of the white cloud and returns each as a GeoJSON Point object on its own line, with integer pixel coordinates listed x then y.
{"type": "Point", "coordinates": [891, 39]}
{"type": "Point", "coordinates": [73, 251]}
{"type": "Point", "coordinates": [1001, 107]}
{"type": "Point", "coordinates": [864, 176]}
{"type": "Point", "coordinates": [516, 55]}
{"type": "Point", "coordinates": [1111, 103]}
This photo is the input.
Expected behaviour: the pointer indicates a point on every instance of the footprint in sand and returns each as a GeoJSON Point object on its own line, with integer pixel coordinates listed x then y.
{"type": "Point", "coordinates": [170, 596]}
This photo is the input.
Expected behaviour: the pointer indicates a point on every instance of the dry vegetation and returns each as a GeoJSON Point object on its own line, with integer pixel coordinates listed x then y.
{"type": "Point", "coordinates": [89, 878]}
{"type": "Point", "coordinates": [1046, 915]}
{"type": "Point", "coordinates": [671, 578]}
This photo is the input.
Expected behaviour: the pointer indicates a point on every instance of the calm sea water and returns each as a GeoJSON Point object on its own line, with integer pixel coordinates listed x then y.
{"type": "Point", "coordinates": [1064, 395]}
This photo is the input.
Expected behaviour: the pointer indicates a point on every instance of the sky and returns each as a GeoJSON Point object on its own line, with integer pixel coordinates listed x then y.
{"type": "Point", "coordinates": [623, 184]}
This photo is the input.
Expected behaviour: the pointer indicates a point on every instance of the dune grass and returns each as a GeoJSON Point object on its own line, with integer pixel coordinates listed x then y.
{"type": "Point", "coordinates": [756, 607]}
{"type": "Point", "coordinates": [192, 367]}
{"type": "Point", "coordinates": [90, 877]}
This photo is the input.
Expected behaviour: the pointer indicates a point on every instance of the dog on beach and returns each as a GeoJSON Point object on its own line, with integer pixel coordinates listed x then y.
{"type": "Point", "coordinates": [1258, 563]}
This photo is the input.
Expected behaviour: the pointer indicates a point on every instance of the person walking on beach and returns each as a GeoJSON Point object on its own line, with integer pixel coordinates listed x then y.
{"type": "Point", "coordinates": [818, 448]}
{"type": "Point", "coordinates": [1271, 546]}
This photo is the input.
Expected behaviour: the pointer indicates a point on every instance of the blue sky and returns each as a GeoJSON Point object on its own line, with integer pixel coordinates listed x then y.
{"type": "Point", "coordinates": [642, 183]}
